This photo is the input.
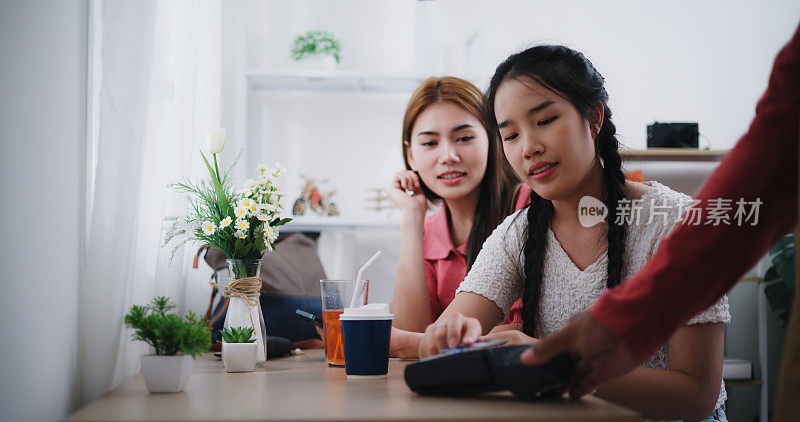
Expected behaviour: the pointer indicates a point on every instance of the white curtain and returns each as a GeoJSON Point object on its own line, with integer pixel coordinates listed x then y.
{"type": "Point", "coordinates": [159, 92]}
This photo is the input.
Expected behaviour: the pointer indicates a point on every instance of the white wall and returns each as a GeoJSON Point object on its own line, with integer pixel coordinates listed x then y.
{"type": "Point", "coordinates": [681, 60]}
{"type": "Point", "coordinates": [42, 116]}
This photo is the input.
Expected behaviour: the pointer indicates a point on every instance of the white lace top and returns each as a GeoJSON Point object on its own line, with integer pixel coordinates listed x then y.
{"type": "Point", "coordinates": [498, 271]}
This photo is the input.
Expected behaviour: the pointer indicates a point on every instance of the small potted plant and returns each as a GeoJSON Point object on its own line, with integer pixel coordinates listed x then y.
{"type": "Point", "coordinates": [239, 349]}
{"type": "Point", "coordinates": [177, 340]}
{"type": "Point", "coordinates": [318, 48]}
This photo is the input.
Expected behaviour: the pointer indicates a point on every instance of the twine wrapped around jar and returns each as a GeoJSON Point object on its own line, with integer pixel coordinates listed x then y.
{"type": "Point", "coordinates": [247, 289]}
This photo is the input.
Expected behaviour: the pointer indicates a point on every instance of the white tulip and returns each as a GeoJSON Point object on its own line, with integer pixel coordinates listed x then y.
{"type": "Point", "coordinates": [215, 140]}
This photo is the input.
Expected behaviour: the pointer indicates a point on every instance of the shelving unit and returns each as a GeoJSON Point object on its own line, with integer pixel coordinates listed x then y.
{"type": "Point", "coordinates": [672, 154]}
{"type": "Point", "coordinates": [315, 223]}
{"type": "Point", "coordinates": [760, 380]}
{"type": "Point", "coordinates": [332, 81]}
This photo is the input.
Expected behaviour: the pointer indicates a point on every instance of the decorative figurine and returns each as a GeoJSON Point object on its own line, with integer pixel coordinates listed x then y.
{"type": "Point", "coordinates": [311, 196]}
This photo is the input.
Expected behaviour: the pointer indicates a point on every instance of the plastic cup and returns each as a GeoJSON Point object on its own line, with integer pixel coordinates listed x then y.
{"type": "Point", "coordinates": [367, 333]}
{"type": "Point", "coordinates": [336, 294]}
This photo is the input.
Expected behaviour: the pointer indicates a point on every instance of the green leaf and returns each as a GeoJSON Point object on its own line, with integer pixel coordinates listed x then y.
{"type": "Point", "coordinates": [258, 244]}
{"type": "Point", "coordinates": [225, 206]}
{"type": "Point", "coordinates": [777, 296]}
{"type": "Point", "coordinates": [784, 264]}
{"type": "Point", "coordinates": [786, 242]}
{"type": "Point", "coordinates": [779, 279]}
{"type": "Point", "coordinates": [238, 335]}
{"type": "Point", "coordinates": [771, 275]}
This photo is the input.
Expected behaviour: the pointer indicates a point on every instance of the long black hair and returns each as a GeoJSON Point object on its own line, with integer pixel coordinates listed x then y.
{"type": "Point", "coordinates": [570, 75]}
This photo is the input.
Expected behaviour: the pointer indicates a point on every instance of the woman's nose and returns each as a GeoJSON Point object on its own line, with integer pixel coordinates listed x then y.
{"type": "Point", "coordinates": [449, 153]}
{"type": "Point", "coordinates": [531, 147]}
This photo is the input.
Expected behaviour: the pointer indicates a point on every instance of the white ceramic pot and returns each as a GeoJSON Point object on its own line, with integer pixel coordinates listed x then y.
{"type": "Point", "coordinates": [166, 374]}
{"type": "Point", "coordinates": [319, 63]}
{"type": "Point", "coordinates": [239, 357]}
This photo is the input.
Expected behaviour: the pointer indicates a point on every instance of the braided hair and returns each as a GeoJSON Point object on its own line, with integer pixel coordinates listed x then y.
{"type": "Point", "coordinates": [569, 74]}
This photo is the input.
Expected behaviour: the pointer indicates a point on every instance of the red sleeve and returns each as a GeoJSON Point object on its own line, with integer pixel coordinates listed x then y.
{"type": "Point", "coordinates": [523, 197]}
{"type": "Point", "coordinates": [433, 290]}
{"type": "Point", "coordinates": [696, 264]}
{"type": "Point", "coordinates": [515, 314]}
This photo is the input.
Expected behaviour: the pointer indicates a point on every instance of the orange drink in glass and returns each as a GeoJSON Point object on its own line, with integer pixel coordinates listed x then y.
{"type": "Point", "coordinates": [336, 295]}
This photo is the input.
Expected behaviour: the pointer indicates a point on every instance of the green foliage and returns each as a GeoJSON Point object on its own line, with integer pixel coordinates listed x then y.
{"type": "Point", "coordinates": [212, 215]}
{"type": "Point", "coordinates": [222, 200]}
{"type": "Point", "coordinates": [207, 200]}
{"type": "Point", "coordinates": [779, 278]}
{"type": "Point", "coordinates": [238, 335]}
{"type": "Point", "coordinates": [316, 43]}
{"type": "Point", "coordinates": [168, 333]}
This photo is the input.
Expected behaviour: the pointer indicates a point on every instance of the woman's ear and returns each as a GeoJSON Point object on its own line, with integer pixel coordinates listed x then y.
{"type": "Point", "coordinates": [409, 158]}
{"type": "Point", "coordinates": [598, 113]}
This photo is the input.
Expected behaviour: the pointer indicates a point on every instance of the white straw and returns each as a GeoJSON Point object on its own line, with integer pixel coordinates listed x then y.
{"type": "Point", "coordinates": [359, 281]}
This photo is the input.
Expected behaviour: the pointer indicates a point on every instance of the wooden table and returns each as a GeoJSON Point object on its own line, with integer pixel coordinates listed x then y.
{"type": "Point", "coordinates": [303, 388]}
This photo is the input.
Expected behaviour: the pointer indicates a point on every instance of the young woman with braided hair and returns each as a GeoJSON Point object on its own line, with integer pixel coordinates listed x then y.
{"type": "Point", "coordinates": [449, 162]}
{"type": "Point", "coordinates": [548, 107]}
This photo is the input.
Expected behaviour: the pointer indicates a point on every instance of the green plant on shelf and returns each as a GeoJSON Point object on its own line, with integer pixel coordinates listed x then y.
{"type": "Point", "coordinates": [169, 333]}
{"type": "Point", "coordinates": [779, 278]}
{"type": "Point", "coordinates": [316, 44]}
{"type": "Point", "coordinates": [238, 335]}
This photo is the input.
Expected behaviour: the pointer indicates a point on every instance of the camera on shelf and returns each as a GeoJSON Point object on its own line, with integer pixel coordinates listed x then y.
{"type": "Point", "coordinates": [672, 135]}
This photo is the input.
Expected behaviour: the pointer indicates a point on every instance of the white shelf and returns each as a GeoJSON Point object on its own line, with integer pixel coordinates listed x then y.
{"type": "Point", "coordinates": [315, 223]}
{"type": "Point", "coordinates": [737, 369]}
{"type": "Point", "coordinates": [333, 81]}
{"type": "Point", "coordinates": [672, 154]}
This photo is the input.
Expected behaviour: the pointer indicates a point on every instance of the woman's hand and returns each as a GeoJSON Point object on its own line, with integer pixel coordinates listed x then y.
{"type": "Point", "coordinates": [456, 329]}
{"type": "Point", "coordinates": [512, 337]}
{"type": "Point", "coordinates": [404, 344]}
{"type": "Point", "coordinates": [403, 182]}
{"type": "Point", "coordinates": [321, 332]}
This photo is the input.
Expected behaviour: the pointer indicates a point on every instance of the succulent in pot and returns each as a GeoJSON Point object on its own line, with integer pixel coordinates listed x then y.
{"type": "Point", "coordinates": [239, 350]}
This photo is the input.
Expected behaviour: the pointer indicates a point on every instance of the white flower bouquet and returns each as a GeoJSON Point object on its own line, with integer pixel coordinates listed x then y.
{"type": "Point", "coordinates": [241, 223]}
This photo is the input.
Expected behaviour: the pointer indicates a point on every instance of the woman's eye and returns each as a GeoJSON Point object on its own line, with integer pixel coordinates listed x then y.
{"type": "Point", "coordinates": [547, 121]}
{"type": "Point", "coordinates": [429, 143]}
{"type": "Point", "coordinates": [464, 139]}
{"type": "Point", "coordinates": [510, 137]}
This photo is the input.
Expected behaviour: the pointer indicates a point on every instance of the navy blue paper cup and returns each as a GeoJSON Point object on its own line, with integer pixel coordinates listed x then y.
{"type": "Point", "coordinates": [366, 347]}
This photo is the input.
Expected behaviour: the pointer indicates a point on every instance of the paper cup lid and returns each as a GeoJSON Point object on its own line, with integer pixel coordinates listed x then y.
{"type": "Point", "coordinates": [371, 311]}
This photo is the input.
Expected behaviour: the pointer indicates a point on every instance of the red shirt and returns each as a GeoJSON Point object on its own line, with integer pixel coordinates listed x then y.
{"type": "Point", "coordinates": [446, 265]}
{"type": "Point", "coordinates": [696, 264]}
